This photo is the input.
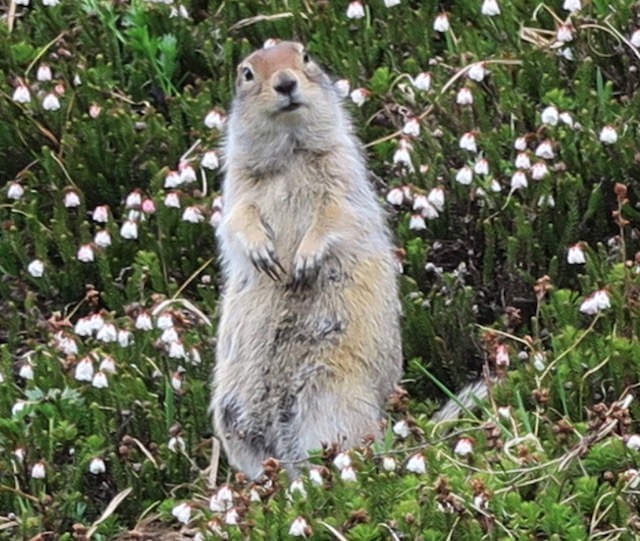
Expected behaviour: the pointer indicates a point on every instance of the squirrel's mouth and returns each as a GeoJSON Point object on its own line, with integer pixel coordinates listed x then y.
{"type": "Point", "coordinates": [291, 106]}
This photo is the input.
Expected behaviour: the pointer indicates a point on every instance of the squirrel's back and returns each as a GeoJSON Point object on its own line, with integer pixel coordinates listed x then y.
{"type": "Point", "coordinates": [308, 340]}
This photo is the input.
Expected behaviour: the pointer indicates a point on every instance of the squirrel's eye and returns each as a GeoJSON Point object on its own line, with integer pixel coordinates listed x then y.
{"type": "Point", "coordinates": [248, 74]}
{"type": "Point", "coordinates": [306, 58]}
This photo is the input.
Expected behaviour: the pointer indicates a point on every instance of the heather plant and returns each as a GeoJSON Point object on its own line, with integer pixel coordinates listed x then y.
{"type": "Point", "coordinates": [501, 138]}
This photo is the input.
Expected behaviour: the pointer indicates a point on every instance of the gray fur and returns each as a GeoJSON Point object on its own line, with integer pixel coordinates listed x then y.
{"type": "Point", "coordinates": [309, 339]}
{"type": "Point", "coordinates": [467, 398]}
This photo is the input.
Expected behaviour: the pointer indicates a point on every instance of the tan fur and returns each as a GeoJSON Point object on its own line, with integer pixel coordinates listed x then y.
{"type": "Point", "coordinates": [308, 340]}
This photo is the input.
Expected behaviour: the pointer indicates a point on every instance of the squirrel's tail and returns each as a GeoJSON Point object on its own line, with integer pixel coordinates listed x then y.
{"type": "Point", "coordinates": [466, 399]}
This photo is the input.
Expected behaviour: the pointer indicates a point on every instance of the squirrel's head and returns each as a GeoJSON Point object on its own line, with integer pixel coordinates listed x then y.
{"type": "Point", "coordinates": [282, 81]}
{"type": "Point", "coordinates": [284, 103]}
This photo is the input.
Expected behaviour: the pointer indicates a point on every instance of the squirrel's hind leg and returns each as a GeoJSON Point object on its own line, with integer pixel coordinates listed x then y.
{"type": "Point", "coordinates": [344, 418]}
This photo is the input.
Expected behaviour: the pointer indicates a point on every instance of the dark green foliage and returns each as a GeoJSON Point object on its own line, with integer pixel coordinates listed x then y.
{"type": "Point", "coordinates": [486, 285]}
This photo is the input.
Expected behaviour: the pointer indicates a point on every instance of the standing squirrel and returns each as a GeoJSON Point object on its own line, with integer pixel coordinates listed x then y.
{"type": "Point", "coordinates": [309, 344]}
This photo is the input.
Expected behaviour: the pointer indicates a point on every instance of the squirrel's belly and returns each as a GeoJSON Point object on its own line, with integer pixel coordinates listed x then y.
{"type": "Point", "coordinates": [297, 369]}
{"type": "Point", "coordinates": [263, 320]}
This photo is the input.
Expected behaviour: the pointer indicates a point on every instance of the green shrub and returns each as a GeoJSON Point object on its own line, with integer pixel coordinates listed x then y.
{"type": "Point", "coordinates": [137, 95]}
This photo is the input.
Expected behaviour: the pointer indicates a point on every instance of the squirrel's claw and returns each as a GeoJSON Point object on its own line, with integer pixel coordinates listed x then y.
{"type": "Point", "coordinates": [305, 271]}
{"type": "Point", "coordinates": [266, 260]}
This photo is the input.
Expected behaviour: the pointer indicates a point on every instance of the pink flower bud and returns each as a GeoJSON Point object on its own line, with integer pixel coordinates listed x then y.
{"type": "Point", "coordinates": [144, 322]}
{"type": "Point", "coordinates": [522, 161]}
{"type": "Point", "coordinates": [564, 33]}
{"type": "Point", "coordinates": [502, 356]}
{"type": "Point", "coordinates": [215, 119]}
{"type": "Point", "coordinates": [343, 87]}
{"type": "Point", "coordinates": [134, 199]}
{"type": "Point", "coordinates": [464, 175]}
{"type": "Point", "coordinates": [71, 199]}
{"type": "Point", "coordinates": [129, 230]}
{"type": "Point", "coordinates": [490, 8]}
{"type": "Point", "coordinates": [51, 102]}
{"type": "Point", "coordinates": [572, 5]}
{"type": "Point", "coordinates": [193, 215]}
{"type": "Point", "coordinates": [172, 179]}
{"type": "Point", "coordinates": [97, 466]}
{"type": "Point", "coordinates": [481, 167]}
{"type": "Point", "coordinates": [395, 197]}
{"type": "Point", "coordinates": [422, 81]}
{"type": "Point", "coordinates": [417, 464]}
{"type": "Point", "coordinates": [359, 96]}
{"type": "Point", "coordinates": [216, 219]}
{"type": "Point", "coordinates": [464, 447]}
{"type": "Point", "coordinates": [172, 200]}
{"type": "Point", "coordinates": [21, 94]}
{"type": "Point", "coordinates": [182, 512]}
{"type": "Point", "coordinates": [539, 171]}
{"type": "Point", "coordinates": [36, 268]}
{"type": "Point", "coordinates": [148, 206]}
{"type": "Point", "coordinates": [39, 470]}
{"type": "Point", "coordinates": [176, 381]}
{"type": "Point", "coordinates": [300, 528]}
{"type": "Point", "coordinates": [441, 24]}
{"type": "Point", "coordinates": [102, 239]}
{"type": "Point", "coordinates": [576, 255]}
{"type": "Point", "coordinates": [477, 72]}
{"type": "Point", "coordinates": [468, 142]}
{"type": "Point", "coordinates": [411, 127]}
{"type": "Point", "coordinates": [550, 116]}
{"type": "Point", "coordinates": [545, 150]}
{"type": "Point", "coordinates": [84, 370]}
{"type": "Point", "coordinates": [355, 10]}
{"type": "Point", "coordinates": [210, 160]}
{"type": "Point", "coordinates": [187, 173]}
{"type": "Point", "coordinates": [417, 222]}
{"type": "Point", "coordinates": [85, 253]}
{"type": "Point", "coordinates": [44, 73]}
{"type": "Point", "coordinates": [464, 97]}
{"type": "Point", "coordinates": [608, 135]}
{"type": "Point", "coordinates": [100, 380]}
{"type": "Point", "coordinates": [101, 214]}
{"type": "Point", "coordinates": [520, 144]}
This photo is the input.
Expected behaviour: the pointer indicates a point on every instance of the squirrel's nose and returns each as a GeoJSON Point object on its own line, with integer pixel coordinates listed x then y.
{"type": "Point", "coordinates": [285, 84]}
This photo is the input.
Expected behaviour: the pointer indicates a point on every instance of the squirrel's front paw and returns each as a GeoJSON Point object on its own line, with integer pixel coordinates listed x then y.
{"type": "Point", "coordinates": [264, 258]}
{"type": "Point", "coordinates": [306, 266]}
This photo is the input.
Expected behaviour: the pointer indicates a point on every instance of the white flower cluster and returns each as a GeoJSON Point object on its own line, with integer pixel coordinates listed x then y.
{"type": "Point", "coordinates": [424, 206]}
{"type": "Point", "coordinates": [596, 302]}
{"type": "Point", "coordinates": [176, 181]}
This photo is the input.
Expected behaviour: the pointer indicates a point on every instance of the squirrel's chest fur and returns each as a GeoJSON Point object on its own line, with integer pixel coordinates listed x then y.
{"type": "Point", "coordinates": [287, 200]}
{"type": "Point", "coordinates": [284, 326]}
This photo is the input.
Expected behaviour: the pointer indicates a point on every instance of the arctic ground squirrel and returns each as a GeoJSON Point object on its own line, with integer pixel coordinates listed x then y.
{"type": "Point", "coordinates": [309, 345]}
